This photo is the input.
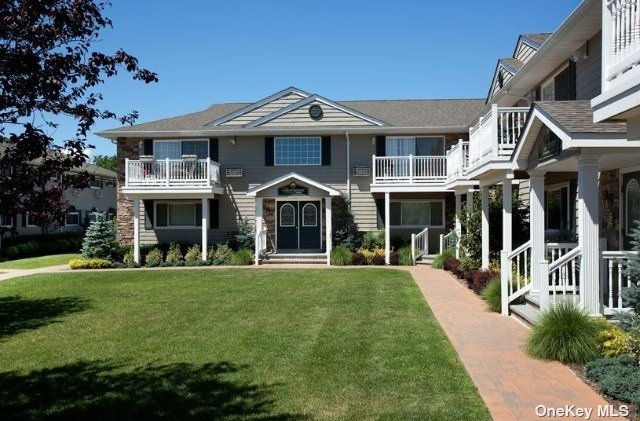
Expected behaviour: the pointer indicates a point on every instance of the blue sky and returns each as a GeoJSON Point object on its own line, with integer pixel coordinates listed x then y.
{"type": "Point", "coordinates": [240, 51]}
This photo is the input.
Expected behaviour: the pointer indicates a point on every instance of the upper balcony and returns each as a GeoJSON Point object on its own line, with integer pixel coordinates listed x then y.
{"type": "Point", "coordinates": [458, 161]}
{"type": "Point", "coordinates": [409, 171]}
{"type": "Point", "coordinates": [172, 176]}
{"type": "Point", "coordinates": [494, 138]}
{"type": "Point", "coordinates": [620, 59]}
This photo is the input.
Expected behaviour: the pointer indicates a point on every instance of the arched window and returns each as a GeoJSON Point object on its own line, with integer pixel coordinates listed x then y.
{"type": "Point", "coordinates": [309, 215]}
{"type": "Point", "coordinates": [287, 215]}
{"type": "Point", "coordinates": [632, 205]}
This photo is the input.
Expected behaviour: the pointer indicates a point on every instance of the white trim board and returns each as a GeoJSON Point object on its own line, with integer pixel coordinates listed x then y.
{"type": "Point", "coordinates": [292, 175]}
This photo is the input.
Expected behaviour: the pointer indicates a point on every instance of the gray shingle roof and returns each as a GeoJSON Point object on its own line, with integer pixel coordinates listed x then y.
{"type": "Point", "coordinates": [577, 117]}
{"type": "Point", "coordinates": [399, 113]}
{"type": "Point", "coordinates": [511, 64]}
{"type": "Point", "coordinates": [538, 38]}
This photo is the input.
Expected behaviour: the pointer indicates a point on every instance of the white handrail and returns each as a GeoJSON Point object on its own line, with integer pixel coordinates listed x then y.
{"type": "Point", "coordinates": [566, 258]}
{"type": "Point", "coordinates": [409, 169]}
{"type": "Point", "coordinates": [420, 244]}
{"type": "Point", "coordinates": [515, 274]}
{"type": "Point", "coordinates": [560, 278]}
{"type": "Point", "coordinates": [172, 173]}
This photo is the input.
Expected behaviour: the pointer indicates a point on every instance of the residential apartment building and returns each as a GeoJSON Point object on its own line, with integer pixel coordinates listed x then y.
{"type": "Point", "coordinates": [559, 123]}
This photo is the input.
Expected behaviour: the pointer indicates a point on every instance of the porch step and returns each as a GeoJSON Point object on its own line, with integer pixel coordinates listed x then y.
{"type": "Point", "coordinates": [426, 260]}
{"type": "Point", "coordinates": [294, 258]}
{"type": "Point", "coordinates": [525, 312]}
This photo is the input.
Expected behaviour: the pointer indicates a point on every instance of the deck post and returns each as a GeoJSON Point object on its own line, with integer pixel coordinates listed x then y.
{"type": "Point", "coordinates": [205, 226]}
{"type": "Point", "coordinates": [504, 282]}
{"type": "Point", "coordinates": [328, 228]}
{"type": "Point", "coordinates": [485, 227]}
{"type": "Point", "coordinates": [258, 239]}
{"type": "Point", "coordinates": [458, 224]}
{"type": "Point", "coordinates": [536, 227]}
{"type": "Point", "coordinates": [588, 233]}
{"type": "Point", "coordinates": [507, 203]}
{"type": "Point", "coordinates": [387, 228]}
{"type": "Point", "coordinates": [136, 230]}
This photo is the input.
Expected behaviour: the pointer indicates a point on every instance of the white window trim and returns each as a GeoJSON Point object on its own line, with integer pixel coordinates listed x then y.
{"type": "Point", "coordinates": [176, 227]}
{"type": "Point", "coordinates": [294, 216]}
{"type": "Point", "coordinates": [71, 213]}
{"type": "Point", "coordinates": [415, 137]}
{"type": "Point", "coordinates": [275, 141]}
{"type": "Point", "coordinates": [444, 216]}
{"type": "Point", "coordinates": [180, 141]}
{"type": "Point", "coordinates": [626, 209]}
{"type": "Point", "coordinates": [28, 223]}
{"type": "Point", "coordinates": [99, 180]}
{"type": "Point", "coordinates": [316, 213]}
{"type": "Point", "coordinates": [552, 188]}
{"type": "Point", "coordinates": [8, 225]}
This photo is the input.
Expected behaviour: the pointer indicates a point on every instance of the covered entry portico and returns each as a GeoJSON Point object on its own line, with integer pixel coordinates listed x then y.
{"type": "Point", "coordinates": [293, 215]}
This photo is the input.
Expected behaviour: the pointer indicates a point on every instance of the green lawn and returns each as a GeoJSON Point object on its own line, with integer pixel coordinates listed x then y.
{"type": "Point", "coordinates": [238, 343]}
{"type": "Point", "coordinates": [38, 262]}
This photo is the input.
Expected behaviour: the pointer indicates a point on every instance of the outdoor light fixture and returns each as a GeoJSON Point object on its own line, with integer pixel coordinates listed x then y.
{"type": "Point", "coordinates": [232, 141]}
{"type": "Point", "coordinates": [373, 140]}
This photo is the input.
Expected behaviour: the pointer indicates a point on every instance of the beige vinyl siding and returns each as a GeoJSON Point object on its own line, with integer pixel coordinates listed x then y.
{"type": "Point", "coordinates": [266, 109]}
{"type": "Point", "coordinates": [524, 52]}
{"type": "Point", "coordinates": [300, 118]}
{"type": "Point", "coordinates": [589, 70]}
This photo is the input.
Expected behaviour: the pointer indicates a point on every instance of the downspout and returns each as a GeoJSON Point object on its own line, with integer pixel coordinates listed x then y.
{"type": "Point", "coordinates": [346, 133]}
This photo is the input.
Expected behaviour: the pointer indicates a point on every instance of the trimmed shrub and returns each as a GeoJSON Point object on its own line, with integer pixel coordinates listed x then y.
{"type": "Point", "coordinates": [369, 254]}
{"type": "Point", "coordinates": [564, 333]}
{"type": "Point", "coordinates": [378, 260]}
{"type": "Point", "coordinates": [89, 263]}
{"type": "Point", "coordinates": [612, 341]}
{"type": "Point", "coordinates": [394, 258]}
{"type": "Point", "coordinates": [372, 240]}
{"type": "Point", "coordinates": [193, 257]}
{"type": "Point", "coordinates": [100, 239]}
{"type": "Point", "coordinates": [153, 258]}
{"type": "Point", "coordinates": [340, 256]}
{"type": "Point", "coordinates": [41, 245]}
{"type": "Point", "coordinates": [480, 279]}
{"type": "Point", "coordinates": [492, 295]}
{"type": "Point", "coordinates": [358, 259]}
{"type": "Point", "coordinates": [128, 259]}
{"type": "Point", "coordinates": [174, 255]}
{"type": "Point", "coordinates": [438, 262]}
{"type": "Point", "coordinates": [618, 377]}
{"type": "Point", "coordinates": [242, 257]}
{"type": "Point", "coordinates": [406, 258]}
{"type": "Point", "coordinates": [221, 255]}
{"type": "Point", "coordinates": [452, 265]}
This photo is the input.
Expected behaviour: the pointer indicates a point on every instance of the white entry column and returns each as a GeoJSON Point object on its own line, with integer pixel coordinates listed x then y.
{"type": "Point", "coordinates": [136, 230]}
{"type": "Point", "coordinates": [536, 227]}
{"type": "Point", "coordinates": [258, 239]}
{"type": "Point", "coordinates": [458, 224]}
{"type": "Point", "coordinates": [328, 228]}
{"type": "Point", "coordinates": [387, 228]}
{"type": "Point", "coordinates": [507, 204]}
{"type": "Point", "coordinates": [485, 227]}
{"type": "Point", "coordinates": [589, 233]}
{"type": "Point", "coordinates": [205, 227]}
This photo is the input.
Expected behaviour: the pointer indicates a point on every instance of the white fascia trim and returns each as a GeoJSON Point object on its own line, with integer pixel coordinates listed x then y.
{"type": "Point", "coordinates": [537, 113]}
{"type": "Point", "coordinates": [258, 104]}
{"type": "Point", "coordinates": [407, 188]}
{"type": "Point", "coordinates": [309, 100]}
{"type": "Point", "coordinates": [173, 193]}
{"type": "Point", "coordinates": [330, 190]}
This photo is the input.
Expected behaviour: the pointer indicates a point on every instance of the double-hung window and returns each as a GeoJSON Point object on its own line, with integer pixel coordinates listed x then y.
{"type": "Point", "coordinates": [174, 149]}
{"type": "Point", "coordinates": [6, 221]}
{"type": "Point", "coordinates": [417, 214]}
{"type": "Point", "coordinates": [178, 215]}
{"type": "Point", "coordinates": [417, 146]}
{"type": "Point", "coordinates": [72, 219]}
{"type": "Point", "coordinates": [297, 151]}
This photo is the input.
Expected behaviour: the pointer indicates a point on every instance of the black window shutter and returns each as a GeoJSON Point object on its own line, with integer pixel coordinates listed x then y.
{"type": "Point", "coordinates": [326, 150]}
{"type": "Point", "coordinates": [213, 149]}
{"type": "Point", "coordinates": [214, 214]}
{"type": "Point", "coordinates": [381, 146]}
{"type": "Point", "coordinates": [148, 146]}
{"type": "Point", "coordinates": [148, 211]}
{"type": "Point", "coordinates": [572, 80]}
{"type": "Point", "coordinates": [565, 84]}
{"type": "Point", "coordinates": [380, 208]}
{"type": "Point", "coordinates": [268, 151]}
{"type": "Point", "coordinates": [538, 96]}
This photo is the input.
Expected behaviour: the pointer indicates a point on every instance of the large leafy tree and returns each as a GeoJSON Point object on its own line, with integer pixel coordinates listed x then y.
{"type": "Point", "coordinates": [49, 73]}
{"type": "Point", "coordinates": [109, 162]}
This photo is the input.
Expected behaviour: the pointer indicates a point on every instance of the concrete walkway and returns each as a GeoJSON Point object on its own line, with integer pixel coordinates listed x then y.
{"type": "Point", "coordinates": [17, 273]}
{"type": "Point", "coordinates": [491, 348]}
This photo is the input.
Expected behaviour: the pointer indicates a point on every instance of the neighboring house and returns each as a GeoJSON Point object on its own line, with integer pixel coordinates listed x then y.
{"type": "Point", "coordinates": [408, 166]}
{"type": "Point", "coordinates": [99, 197]}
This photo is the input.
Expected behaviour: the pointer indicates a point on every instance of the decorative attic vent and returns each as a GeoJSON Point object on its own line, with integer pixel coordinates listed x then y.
{"type": "Point", "coordinates": [361, 171]}
{"type": "Point", "coordinates": [233, 171]}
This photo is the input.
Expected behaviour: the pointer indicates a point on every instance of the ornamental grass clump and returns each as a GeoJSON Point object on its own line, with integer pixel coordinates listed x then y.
{"type": "Point", "coordinates": [340, 256]}
{"type": "Point", "coordinates": [564, 333]}
{"type": "Point", "coordinates": [438, 262]}
{"type": "Point", "coordinates": [492, 294]}
{"type": "Point", "coordinates": [406, 257]}
{"type": "Point", "coordinates": [242, 257]}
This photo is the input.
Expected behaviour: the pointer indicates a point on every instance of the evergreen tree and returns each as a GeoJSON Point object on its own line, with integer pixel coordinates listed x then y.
{"type": "Point", "coordinates": [100, 239]}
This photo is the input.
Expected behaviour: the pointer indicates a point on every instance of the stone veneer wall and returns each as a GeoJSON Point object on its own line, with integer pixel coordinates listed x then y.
{"type": "Point", "coordinates": [610, 208]}
{"type": "Point", "coordinates": [125, 206]}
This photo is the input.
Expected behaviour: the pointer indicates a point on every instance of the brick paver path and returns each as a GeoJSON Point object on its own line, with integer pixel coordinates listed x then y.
{"type": "Point", "coordinates": [491, 348]}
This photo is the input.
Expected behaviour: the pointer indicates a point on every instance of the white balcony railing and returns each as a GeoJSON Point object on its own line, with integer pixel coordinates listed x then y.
{"type": "Point", "coordinates": [496, 134]}
{"type": "Point", "coordinates": [409, 169]}
{"type": "Point", "coordinates": [169, 173]}
{"type": "Point", "coordinates": [458, 160]}
{"type": "Point", "coordinates": [623, 49]}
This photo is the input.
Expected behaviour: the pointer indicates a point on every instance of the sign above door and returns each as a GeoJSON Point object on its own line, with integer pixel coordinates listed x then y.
{"type": "Point", "coordinates": [293, 189]}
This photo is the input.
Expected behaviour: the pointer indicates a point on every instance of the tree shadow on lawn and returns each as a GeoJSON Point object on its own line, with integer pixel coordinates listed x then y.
{"type": "Point", "coordinates": [103, 390]}
{"type": "Point", "coordinates": [19, 314]}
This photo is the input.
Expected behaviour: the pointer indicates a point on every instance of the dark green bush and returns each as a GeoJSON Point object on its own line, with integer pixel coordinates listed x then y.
{"type": "Point", "coordinates": [394, 258]}
{"type": "Point", "coordinates": [358, 259]}
{"type": "Point", "coordinates": [378, 260]}
{"type": "Point", "coordinates": [20, 247]}
{"type": "Point", "coordinates": [373, 240]}
{"type": "Point", "coordinates": [406, 258]}
{"type": "Point", "coordinates": [618, 377]}
{"type": "Point", "coordinates": [564, 333]}
{"type": "Point", "coordinates": [438, 262]}
{"type": "Point", "coordinates": [242, 257]}
{"type": "Point", "coordinates": [345, 230]}
{"type": "Point", "coordinates": [340, 256]}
